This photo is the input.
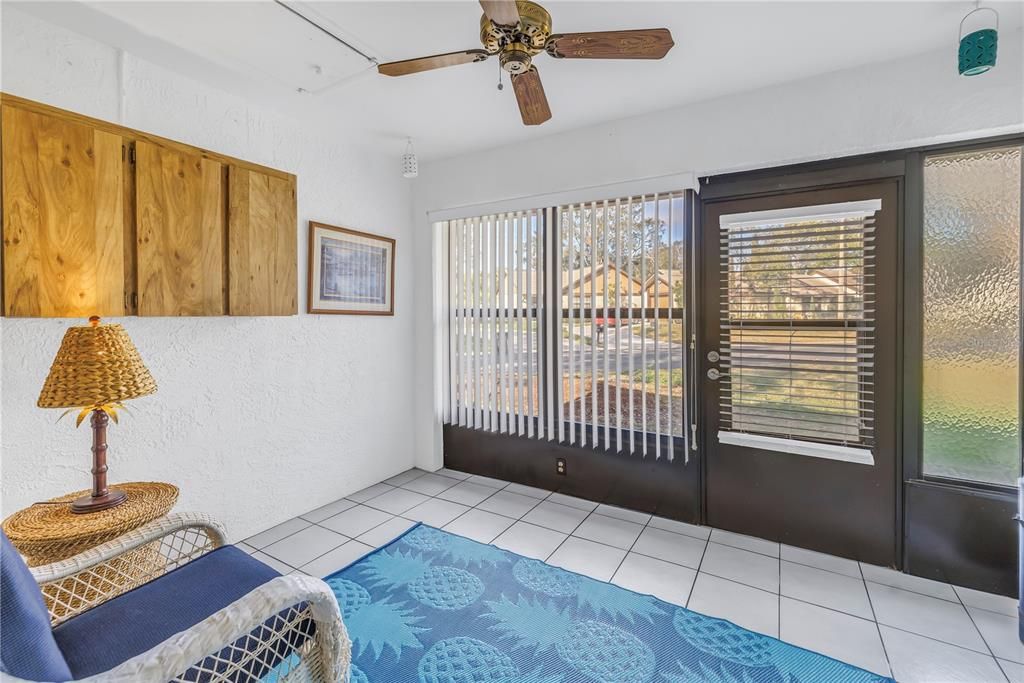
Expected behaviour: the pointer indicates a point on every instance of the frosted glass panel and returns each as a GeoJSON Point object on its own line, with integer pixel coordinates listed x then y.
{"type": "Point", "coordinates": [970, 408]}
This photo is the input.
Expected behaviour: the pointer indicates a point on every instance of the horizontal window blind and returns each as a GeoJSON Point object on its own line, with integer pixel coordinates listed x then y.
{"type": "Point", "coordinates": [496, 303]}
{"type": "Point", "coordinates": [797, 324]}
{"type": "Point", "coordinates": [621, 281]}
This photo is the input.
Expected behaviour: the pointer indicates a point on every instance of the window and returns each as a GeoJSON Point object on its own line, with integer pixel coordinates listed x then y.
{"type": "Point", "coordinates": [971, 324]}
{"type": "Point", "coordinates": [568, 323]}
{"type": "Point", "coordinates": [797, 328]}
{"type": "Point", "coordinates": [622, 279]}
{"type": "Point", "coordinates": [496, 342]}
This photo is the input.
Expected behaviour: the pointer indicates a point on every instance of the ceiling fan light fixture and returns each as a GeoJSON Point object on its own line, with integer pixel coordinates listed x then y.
{"type": "Point", "coordinates": [410, 165]}
{"type": "Point", "coordinates": [515, 59]}
{"type": "Point", "coordinates": [977, 51]}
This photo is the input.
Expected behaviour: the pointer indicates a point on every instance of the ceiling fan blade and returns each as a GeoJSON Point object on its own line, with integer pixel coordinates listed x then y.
{"type": "Point", "coordinates": [414, 66]}
{"type": "Point", "coordinates": [651, 43]}
{"type": "Point", "coordinates": [502, 12]}
{"type": "Point", "coordinates": [533, 103]}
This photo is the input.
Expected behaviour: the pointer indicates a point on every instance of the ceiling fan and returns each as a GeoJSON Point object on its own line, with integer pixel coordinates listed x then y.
{"type": "Point", "coordinates": [519, 30]}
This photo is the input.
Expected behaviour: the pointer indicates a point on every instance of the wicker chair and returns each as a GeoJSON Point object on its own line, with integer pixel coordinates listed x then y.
{"type": "Point", "coordinates": [283, 629]}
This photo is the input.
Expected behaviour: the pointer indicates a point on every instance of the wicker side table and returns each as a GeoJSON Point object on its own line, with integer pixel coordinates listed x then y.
{"type": "Point", "coordinates": [49, 532]}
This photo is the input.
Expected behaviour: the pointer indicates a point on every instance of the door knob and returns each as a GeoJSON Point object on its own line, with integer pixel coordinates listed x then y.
{"type": "Point", "coordinates": [714, 374]}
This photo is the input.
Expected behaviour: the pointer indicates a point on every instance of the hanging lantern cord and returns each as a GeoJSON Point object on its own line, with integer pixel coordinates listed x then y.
{"type": "Point", "coordinates": [978, 8]}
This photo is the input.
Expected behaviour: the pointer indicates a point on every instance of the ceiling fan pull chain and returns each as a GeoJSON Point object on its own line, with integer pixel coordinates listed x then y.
{"type": "Point", "coordinates": [501, 85]}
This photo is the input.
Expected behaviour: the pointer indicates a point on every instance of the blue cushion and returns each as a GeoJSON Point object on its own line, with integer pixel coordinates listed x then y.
{"type": "Point", "coordinates": [27, 647]}
{"type": "Point", "coordinates": [128, 625]}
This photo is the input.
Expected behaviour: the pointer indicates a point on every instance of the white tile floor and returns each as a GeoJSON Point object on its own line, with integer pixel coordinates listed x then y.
{"type": "Point", "coordinates": [876, 618]}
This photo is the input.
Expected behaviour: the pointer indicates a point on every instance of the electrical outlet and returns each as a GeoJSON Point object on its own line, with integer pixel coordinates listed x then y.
{"type": "Point", "coordinates": [560, 466]}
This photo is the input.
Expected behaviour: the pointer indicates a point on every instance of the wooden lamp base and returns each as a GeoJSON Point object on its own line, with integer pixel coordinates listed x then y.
{"type": "Point", "coordinates": [102, 498]}
{"type": "Point", "coordinates": [85, 504]}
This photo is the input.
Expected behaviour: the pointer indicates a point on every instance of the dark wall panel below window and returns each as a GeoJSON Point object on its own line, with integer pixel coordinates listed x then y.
{"type": "Point", "coordinates": [667, 489]}
{"type": "Point", "coordinates": [964, 536]}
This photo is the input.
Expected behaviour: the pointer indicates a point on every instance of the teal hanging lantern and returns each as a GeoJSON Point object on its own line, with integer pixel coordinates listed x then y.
{"type": "Point", "coordinates": [978, 48]}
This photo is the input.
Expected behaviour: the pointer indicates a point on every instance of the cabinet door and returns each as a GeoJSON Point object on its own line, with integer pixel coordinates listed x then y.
{"type": "Point", "coordinates": [63, 217]}
{"type": "Point", "coordinates": [179, 204]}
{"type": "Point", "coordinates": [262, 244]}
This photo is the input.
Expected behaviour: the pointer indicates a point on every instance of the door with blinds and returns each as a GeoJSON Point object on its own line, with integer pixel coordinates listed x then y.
{"type": "Point", "coordinates": [798, 368]}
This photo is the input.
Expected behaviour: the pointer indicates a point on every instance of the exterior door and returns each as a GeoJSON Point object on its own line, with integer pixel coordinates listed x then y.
{"type": "Point", "coordinates": [798, 368]}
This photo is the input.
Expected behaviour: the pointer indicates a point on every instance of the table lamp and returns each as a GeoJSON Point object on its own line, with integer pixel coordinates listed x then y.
{"type": "Point", "coordinates": [96, 368]}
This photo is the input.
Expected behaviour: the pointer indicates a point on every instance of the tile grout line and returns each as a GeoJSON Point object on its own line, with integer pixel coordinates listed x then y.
{"type": "Point", "coordinates": [470, 509]}
{"type": "Point", "coordinates": [830, 609]}
{"type": "Point", "coordinates": [980, 634]}
{"type": "Point", "coordinates": [393, 515]}
{"type": "Point", "coordinates": [570, 535]}
{"type": "Point", "coordinates": [630, 549]}
{"type": "Point", "coordinates": [311, 524]}
{"type": "Point", "coordinates": [778, 610]}
{"type": "Point", "coordinates": [364, 504]}
{"type": "Point", "coordinates": [646, 526]}
{"type": "Point", "coordinates": [696, 575]}
{"type": "Point", "coordinates": [347, 539]}
{"type": "Point", "coordinates": [944, 642]}
{"type": "Point", "coordinates": [874, 616]}
{"type": "Point", "coordinates": [517, 519]}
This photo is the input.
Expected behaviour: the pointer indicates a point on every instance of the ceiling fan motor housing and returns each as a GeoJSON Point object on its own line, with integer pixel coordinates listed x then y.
{"type": "Point", "coordinates": [516, 45]}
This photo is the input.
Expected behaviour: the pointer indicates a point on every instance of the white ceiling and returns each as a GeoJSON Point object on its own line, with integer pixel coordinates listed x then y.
{"type": "Point", "coordinates": [262, 51]}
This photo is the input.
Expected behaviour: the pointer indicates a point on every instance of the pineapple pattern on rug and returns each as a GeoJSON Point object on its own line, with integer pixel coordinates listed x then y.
{"type": "Point", "coordinates": [433, 607]}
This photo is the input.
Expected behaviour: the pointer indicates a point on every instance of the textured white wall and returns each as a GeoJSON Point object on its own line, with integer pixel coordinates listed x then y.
{"type": "Point", "coordinates": [904, 103]}
{"type": "Point", "coordinates": [256, 419]}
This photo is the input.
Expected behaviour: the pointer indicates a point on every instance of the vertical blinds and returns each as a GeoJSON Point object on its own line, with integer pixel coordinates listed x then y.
{"type": "Point", "coordinates": [797, 325]}
{"type": "Point", "coordinates": [622, 338]}
{"type": "Point", "coordinates": [567, 323]}
{"type": "Point", "coordinates": [496, 339]}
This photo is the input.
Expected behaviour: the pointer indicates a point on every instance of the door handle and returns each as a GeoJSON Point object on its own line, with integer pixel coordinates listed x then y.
{"type": "Point", "coordinates": [714, 373]}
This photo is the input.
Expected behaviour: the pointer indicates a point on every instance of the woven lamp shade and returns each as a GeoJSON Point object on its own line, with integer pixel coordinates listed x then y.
{"type": "Point", "coordinates": [96, 365]}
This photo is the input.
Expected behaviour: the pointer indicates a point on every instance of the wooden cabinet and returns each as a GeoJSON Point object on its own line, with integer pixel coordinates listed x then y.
{"type": "Point", "coordinates": [262, 234]}
{"type": "Point", "coordinates": [179, 208]}
{"type": "Point", "coordinates": [63, 217]}
{"type": "Point", "coordinates": [99, 219]}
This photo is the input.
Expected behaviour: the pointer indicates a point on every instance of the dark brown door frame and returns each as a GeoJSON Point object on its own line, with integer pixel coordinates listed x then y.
{"type": "Point", "coordinates": [920, 498]}
{"type": "Point", "coordinates": [955, 531]}
{"type": "Point", "coordinates": [857, 529]}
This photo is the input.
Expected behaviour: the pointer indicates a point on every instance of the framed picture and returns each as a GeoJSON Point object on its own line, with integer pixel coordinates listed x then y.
{"type": "Point", "coordinates": [350, 272]}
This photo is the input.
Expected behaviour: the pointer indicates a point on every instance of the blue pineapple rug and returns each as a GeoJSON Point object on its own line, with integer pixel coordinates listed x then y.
{"type": "Point", "coordinates": [433, 607]}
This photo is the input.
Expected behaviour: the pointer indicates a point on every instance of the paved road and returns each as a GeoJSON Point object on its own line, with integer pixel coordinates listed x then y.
{"type": "Point", "coordinates": [583, 356]}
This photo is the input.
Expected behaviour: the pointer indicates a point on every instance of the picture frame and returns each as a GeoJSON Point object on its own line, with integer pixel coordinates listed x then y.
{"type": "Point", "coordinates": [350, 272]}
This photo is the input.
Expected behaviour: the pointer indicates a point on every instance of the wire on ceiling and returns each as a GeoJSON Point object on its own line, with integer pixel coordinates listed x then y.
{"type": "Point", "coordinates": [300, 15]}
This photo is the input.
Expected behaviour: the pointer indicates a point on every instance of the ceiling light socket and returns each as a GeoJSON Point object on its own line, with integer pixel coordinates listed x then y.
{"type": "Point", "coordinates": [410, 165]}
